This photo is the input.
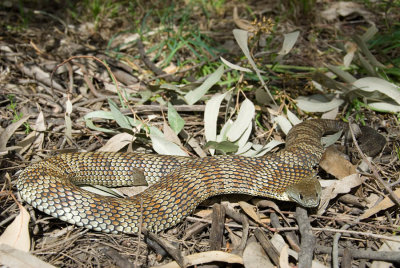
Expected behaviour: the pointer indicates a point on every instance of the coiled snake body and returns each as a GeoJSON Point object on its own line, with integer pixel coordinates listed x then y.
{"type": "Point", "coordinates": [178, 184]}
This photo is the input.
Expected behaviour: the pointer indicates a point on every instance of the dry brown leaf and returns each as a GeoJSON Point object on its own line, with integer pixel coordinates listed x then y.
{"type": "Point", "coordinates": [335, 164]}
{"type": "Point", "coordinates": [39, 128]}
{"type": "Point", "coordinates": [254, 256]}
{"type": "Point", "coordinates": [117, 142]}
{"type": "Point", "coordinates": [203, 213]}
{"type": "Point", "coordinates": [16, 234]}
{"type": "Point", "coordinates": [171, 69]}
{"type": "Point", "coordinates": [6, 134]}
{"type": "Point", "coordinates": [344, 9]}
{"type": "Point", "coordinates": [205, 257]}
{"type": "Point", "coordinates": [242, 24]}
{"type": "Point", "coordinates": [284, 257]}
{"type": "Point", "coordinates": [338, 187]}
{"type": "Point", "coordinates": [131, 191]}
{"type": "Point", "coordinates": [279, 243]}
{"type": "Point", "coordinates": [170, 135]}
{"type": "Point", "coordinates": [384, 204]}
{"type": "Point", "coordinates": [68, 121]}
{"type": "Point", "coordinates": [250, 210]}
{"type": "Point", "coordinates": [11, 257]}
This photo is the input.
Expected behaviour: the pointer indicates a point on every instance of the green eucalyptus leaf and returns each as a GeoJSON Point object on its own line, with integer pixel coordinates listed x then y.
{"type": "Point", "coordinates": [175, 120]}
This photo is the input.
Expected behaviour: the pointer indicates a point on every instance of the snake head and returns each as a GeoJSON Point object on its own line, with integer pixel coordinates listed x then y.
{"type": "Point", "coordinates": [306, 192]}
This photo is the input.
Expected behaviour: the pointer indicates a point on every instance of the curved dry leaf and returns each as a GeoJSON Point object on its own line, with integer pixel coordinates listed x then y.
{"type": "Point", "coordinates": [284, 257]}
{"type": "Point", "coordinates": [278, 242]}
{"type": "Point", "coordinates": [254, 256]}
{"type": "Point", "coordinates": [9, 131]}
{"type": "Point", "coordinates": [16, 234]}
{"type": "Point", "coordinates": [351, 49]}
{"type": "Point", "coordinates": [234, 66]}
{"type": "Point", "coordinates": [205, 257]}
{"type": "Point", "coordinates": [11, 257]}
{"type": "Point", "coordinates": [170, 135]}
{"type": "Point", "coordinates": [241, 23]}
{"type": "Point", "coordinates": [335, 164]}
{"type": "Point", "coordinates": [344, 9]}
{"type": "Point", "coordinates": [249, 209]}
{"type": "Point", "coordinates": [384, 204]}
{"type": "Point", "coordinates": [68, 121]}
{"type": "Point", "coordinates": [339, 187]}
{"type": "Point", "coordinates": [39, 127]}
{"type": "Point", "coordinates": [117, 142]}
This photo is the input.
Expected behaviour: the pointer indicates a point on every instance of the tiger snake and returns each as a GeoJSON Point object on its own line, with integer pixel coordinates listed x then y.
{"type": "Point", "coordinates": [178, 184]}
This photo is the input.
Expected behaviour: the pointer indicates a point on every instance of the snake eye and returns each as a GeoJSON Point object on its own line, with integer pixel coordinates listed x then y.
{"type": "Point", "coordinates": [301, 197]}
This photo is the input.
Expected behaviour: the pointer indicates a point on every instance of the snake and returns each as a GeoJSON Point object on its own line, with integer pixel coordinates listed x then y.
{"type": "Point", "coordinates": [177, 184]}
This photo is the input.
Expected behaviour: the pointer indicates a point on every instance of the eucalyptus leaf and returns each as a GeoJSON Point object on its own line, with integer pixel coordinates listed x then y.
{"type": "Point", "coordinates": [245, 148]}
{"type": "Point", "coordinates": [384, 107]}
{"type": "Point", "coordinates": [121, 119]}
{"type": "Point", "coordinates": [345, 76]}
{"type": "Point", "coordinates": [175, 120]}
{"type": "Point", "coordinates": [268, 147]}
{"type": "Point", "coordinates": [244, 118]}
{"type": "Point", "coordinates": [89, 124]}
{"type": "Point", "coordinates": [235, 67]}
{"type": "Point", "coordinates": [308, 104]}
{"type": "Point", "coordinates": [165, 147]}
{"type": "Point", "coordinates": [371, 31]}
{"type": "Point", "coordinates": [241, 39]}
{"type": "Point", "coordinates": [370, 84]}
{"type": "Point", "coordinates": [224, 146]}
{"type": "Point", "coordinates": [224, 131]}
{"type": "Point", "coordinates": [245, 137]}
{"type": "Point", "coordinates": [289, 41]}
{"type": "Point", "coordinates": [99, 114]}
{"type": "Point", "coordinates": [211, 115]}
{"type": "Point", "coordinates": [196, 94]}
{"type": "Point", "coordinates": [293, 118]}
{"type": "Point", "coordinates": [328, 140]}
{"type": "Point", "coordinates": [283, 123]}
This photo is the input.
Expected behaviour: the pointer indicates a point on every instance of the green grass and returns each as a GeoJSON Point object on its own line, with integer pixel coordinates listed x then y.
{"type": "Point", "coordinates": [12, 107]}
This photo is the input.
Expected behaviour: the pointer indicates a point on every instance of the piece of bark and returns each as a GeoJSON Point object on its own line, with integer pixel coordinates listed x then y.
{"type": "Point", "coordinates": [272, 252]}
{"type": "Point", "coordinates": [217, 227]}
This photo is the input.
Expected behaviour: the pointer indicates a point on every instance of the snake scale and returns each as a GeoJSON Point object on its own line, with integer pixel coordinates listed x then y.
{"type": "Point", "coordinates": [178, 184]}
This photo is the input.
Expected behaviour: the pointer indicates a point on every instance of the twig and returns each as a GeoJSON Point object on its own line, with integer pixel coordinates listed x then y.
{"type": "Point", "coordinates": [389, 256]}
{"type": "Point", "coordinates": [335, 247]}
{"type": "Point", "coordinates": [307, 238]}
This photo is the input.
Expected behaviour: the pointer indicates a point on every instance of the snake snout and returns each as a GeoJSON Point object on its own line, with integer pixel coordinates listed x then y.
{"type": "Point", "coordinates": [306, 192]}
